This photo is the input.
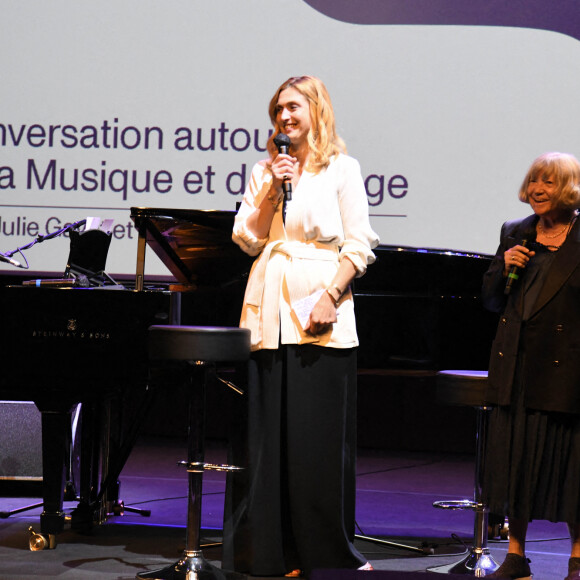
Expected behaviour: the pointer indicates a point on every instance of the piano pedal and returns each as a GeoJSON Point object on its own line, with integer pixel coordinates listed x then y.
{"type": "Point", "coordinates": [119, 508]}
{"type": "Point", "coordinates": [82, 518]}
{"type": "Point", "coordinates": [70, 493]}
{"type": "Point", "coordinates": [37, 542]}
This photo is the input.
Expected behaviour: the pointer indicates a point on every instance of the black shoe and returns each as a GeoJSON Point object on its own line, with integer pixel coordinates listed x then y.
{"type": "Point", "coordinates": [514, 567]}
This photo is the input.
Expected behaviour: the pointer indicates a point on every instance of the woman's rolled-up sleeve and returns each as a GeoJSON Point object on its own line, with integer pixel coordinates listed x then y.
{"type": "Point", "coordinates": [492, 290]}
{"type": "Point", "coordinates": [257, 188]}
{"type": "Point", "coordinates": [359, 237]}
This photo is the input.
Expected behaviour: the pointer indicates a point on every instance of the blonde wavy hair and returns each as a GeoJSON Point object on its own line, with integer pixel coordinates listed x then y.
{"type": "Point", "coordinates": [564, 169]}
{"type": "Point", "coordinates": [322, 138]}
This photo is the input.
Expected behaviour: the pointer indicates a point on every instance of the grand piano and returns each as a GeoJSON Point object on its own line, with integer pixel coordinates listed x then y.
{"type": "Point", "coordinates": [68, 344]}
{"type": "Point", "coordinates": [417, 310]}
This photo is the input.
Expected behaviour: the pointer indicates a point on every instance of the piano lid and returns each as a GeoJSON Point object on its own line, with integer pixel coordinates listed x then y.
{"type": "Point", "coordinates": [195, 245]}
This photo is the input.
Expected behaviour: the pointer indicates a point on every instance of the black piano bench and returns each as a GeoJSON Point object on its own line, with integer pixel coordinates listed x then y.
{"type": "Point", "coordinates": [467, 388]}
{"type": "Point", "coordinates": [195, 350]}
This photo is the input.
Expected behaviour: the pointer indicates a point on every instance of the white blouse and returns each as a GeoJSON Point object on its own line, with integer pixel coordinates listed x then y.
{"type": "Point", "coordinates": [326, 220]}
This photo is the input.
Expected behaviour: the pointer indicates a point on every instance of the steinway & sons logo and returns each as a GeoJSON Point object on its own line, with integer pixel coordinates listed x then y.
{"type": "Point", "coordinates": [72, 331]}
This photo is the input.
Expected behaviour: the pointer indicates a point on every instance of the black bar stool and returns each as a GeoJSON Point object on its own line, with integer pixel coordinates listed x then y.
{"type": "Point", "coordinates": [195, 350]}
{"type": "Point", "coordinates": [467, 388]}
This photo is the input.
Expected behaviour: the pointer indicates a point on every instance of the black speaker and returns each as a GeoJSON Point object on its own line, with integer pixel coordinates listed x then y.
{"type": "Point", "coordinates": [20, 442]}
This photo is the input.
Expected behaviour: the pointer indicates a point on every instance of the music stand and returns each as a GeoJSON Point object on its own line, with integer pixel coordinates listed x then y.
{"type": "Point", "coordinates": [88, 256]}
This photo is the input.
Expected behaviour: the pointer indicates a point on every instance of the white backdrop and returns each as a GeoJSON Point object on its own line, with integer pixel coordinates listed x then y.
{"type": "Point", "coordinates": [450, 115]}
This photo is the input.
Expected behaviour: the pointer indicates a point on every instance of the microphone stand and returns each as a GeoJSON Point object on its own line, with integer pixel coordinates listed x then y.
{"type": "Point", "coordinates": [40, 239]}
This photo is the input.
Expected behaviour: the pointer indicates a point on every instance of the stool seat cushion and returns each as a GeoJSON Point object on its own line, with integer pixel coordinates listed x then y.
{"type": "Point", "coordinates": [203, 343]}
{"type": "Point", "coordinates": [462, 387]}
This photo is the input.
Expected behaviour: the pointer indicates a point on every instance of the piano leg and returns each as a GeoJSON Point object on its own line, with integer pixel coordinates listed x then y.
{"type": "Point", "coordinates": [111, 443]}
{"type": "Point", "coordinates": [84, 515]}
{"type": "Point", "coordinates": [56, 424]}
{"type": "Point", "coordinates": [102, 456]}
{"type": "Point", "coordinates": [104, 452]}
{"type": "Point", "coordinates": [115, 449]}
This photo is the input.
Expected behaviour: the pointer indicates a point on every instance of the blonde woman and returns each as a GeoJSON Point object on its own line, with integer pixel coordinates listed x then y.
{"type": "Point", "coordinates": [292, 509]}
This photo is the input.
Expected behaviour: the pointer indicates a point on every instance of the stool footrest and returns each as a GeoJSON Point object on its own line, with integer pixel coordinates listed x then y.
{"type": "Point", "coordinates": [200, 466]}
{"type": "Point", "coordinates": [457, 504]}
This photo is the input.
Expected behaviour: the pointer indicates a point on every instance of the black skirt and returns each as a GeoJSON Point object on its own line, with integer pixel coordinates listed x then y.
{"type": "Point", "coordinates": [532, 463]}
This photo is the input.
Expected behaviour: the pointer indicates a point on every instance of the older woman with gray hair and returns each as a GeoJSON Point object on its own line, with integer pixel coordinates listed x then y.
{"type": "Point", "coordinates": [532, 461]}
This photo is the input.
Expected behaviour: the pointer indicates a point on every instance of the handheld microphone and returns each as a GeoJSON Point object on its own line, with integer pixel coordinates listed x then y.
{"type": "Point", "coordinates": [8, 260]}
{"type": "Point", "coordinates": [514, 272]}
{"type": "Point", "coordinates": [282, 141]}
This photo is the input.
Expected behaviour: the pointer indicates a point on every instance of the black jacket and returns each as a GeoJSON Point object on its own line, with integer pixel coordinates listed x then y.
{"type": "Point", "coordinates": [551, 371]}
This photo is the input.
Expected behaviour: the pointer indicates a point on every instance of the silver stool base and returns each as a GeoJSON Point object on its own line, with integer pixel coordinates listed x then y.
{"type": "Point", "coordinates": [193, 566]}
{"type": "Point", "coordinates": [478, 563]}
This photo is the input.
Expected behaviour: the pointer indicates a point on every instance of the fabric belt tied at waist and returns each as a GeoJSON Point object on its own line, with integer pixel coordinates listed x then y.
{"type": "Point", "coordinates": [311, 251]}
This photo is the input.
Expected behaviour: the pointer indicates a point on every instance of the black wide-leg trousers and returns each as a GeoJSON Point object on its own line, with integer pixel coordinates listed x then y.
{"type": "Point", "coordinates": [293, 506]}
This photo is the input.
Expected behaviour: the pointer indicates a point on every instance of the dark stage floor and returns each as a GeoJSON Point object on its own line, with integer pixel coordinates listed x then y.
{"type": "Point", "coordinates": [394, 502]}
